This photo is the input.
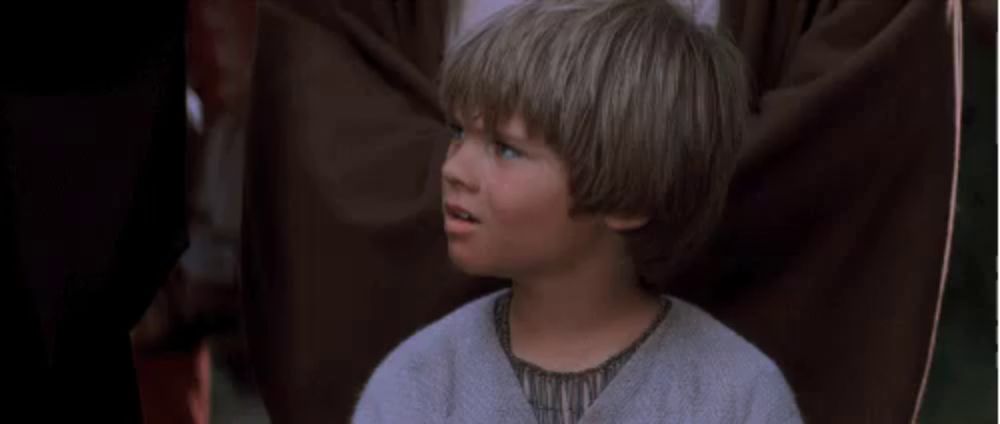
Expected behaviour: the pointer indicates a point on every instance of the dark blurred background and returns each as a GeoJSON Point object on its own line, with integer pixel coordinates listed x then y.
{"type": "Point", "coordinates": [962, 386]}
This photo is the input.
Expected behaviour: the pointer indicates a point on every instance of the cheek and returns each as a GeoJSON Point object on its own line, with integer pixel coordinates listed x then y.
{"type": "Point", "coordinates": [471, 259]}
{"type": "Point", "coordinates": [527, 197]}
{"type": "Point", "coordinates": [530, 209]}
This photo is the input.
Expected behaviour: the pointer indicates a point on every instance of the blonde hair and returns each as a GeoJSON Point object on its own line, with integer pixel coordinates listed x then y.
{"type": "Point", "coordinates": [645, 107]}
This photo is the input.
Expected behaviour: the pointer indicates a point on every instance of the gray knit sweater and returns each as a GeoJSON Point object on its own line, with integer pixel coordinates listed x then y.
{"type": "Point", "coordinates": [691, 369]}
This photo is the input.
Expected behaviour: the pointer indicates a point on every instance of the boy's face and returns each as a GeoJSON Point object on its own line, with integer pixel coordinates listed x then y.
{"type": "Point", "coordinates": [506, 204]}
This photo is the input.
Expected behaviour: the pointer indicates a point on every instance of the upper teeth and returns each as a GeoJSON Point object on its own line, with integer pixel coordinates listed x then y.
{"type": "Point", "coordinates": [464, 215]}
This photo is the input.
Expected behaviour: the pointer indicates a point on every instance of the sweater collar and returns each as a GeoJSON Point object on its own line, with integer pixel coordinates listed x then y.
{"type": "Point", "coordinates": [492, 386]}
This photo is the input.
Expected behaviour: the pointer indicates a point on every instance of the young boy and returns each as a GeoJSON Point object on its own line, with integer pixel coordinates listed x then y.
{"type": "Point", "coordinates": [592, 138]}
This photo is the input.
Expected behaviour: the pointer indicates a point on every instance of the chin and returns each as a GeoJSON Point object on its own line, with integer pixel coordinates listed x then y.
{"type": "Point", "coordinates": [470, 265]}
{"type": "Point", "coordinates": [468, 268]}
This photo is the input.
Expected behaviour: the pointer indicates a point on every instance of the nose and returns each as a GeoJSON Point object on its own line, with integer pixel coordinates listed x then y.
{"type": "Point", "coordinates": [458, 170]}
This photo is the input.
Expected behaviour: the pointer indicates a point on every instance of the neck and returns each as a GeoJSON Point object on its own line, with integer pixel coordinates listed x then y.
{"type": "Point", "coordinates": [581, 314]}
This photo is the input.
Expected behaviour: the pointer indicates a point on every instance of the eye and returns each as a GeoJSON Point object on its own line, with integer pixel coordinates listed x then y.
{"type": "Point", "coordinates": [504, 151]}
{"type": "Point", "coordinates": [457, 132]}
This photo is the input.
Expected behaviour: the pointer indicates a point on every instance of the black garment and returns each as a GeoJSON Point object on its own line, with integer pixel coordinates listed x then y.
{"type": "Point", "coordinates": [92, 134]}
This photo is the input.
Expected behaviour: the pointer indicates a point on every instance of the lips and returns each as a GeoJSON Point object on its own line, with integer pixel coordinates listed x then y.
{"type": "Point", "coordinates": [457, 212]}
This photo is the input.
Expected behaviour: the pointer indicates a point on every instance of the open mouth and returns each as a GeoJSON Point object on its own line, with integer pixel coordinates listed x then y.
{"type": "Point", "coordinates": [460, 214]}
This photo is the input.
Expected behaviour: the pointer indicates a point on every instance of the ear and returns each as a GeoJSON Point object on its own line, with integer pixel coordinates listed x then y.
{"type": "Point", "coordinates": [625, 222]}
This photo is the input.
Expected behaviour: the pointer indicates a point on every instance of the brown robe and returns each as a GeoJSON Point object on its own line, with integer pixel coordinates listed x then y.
{"type": "Point", "coordinates": [830, 257]}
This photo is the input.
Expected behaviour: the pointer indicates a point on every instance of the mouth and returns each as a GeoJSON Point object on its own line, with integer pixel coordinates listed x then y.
{"type": "Point", "coordinates": [454, 211]}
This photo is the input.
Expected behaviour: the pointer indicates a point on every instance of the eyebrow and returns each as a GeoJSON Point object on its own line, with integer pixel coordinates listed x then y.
{"type": "Point", "coordinates": [454, 120]}
{"type": "Point", "coordinates": [508, 136]}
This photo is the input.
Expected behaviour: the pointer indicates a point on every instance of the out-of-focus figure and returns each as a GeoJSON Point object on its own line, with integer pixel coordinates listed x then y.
{"type": "Point", "coordinates": [193, 331]}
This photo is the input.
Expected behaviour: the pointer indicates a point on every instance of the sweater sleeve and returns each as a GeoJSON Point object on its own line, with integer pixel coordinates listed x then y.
{"type": "Point", "coordinates": [394, 393]}
{"type": "Point", "coordinates": [377, 394]}
{"type": "Point", "coordinates": [771, 400]}
{"type": "Point", "coordinates": [367, 411]}
{"type": "Point", "coordinates": [412, 384]}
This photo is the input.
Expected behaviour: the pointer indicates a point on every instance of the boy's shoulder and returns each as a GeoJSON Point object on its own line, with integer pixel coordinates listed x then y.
{"type": "Point", "coordinates": [720, 367]}
{"type": "Point", "coordinates": [697, 334]}
{"type": "Point", "coordinates": [419, 374]}
{"type": "Point", "coordinates": [439, 339]}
